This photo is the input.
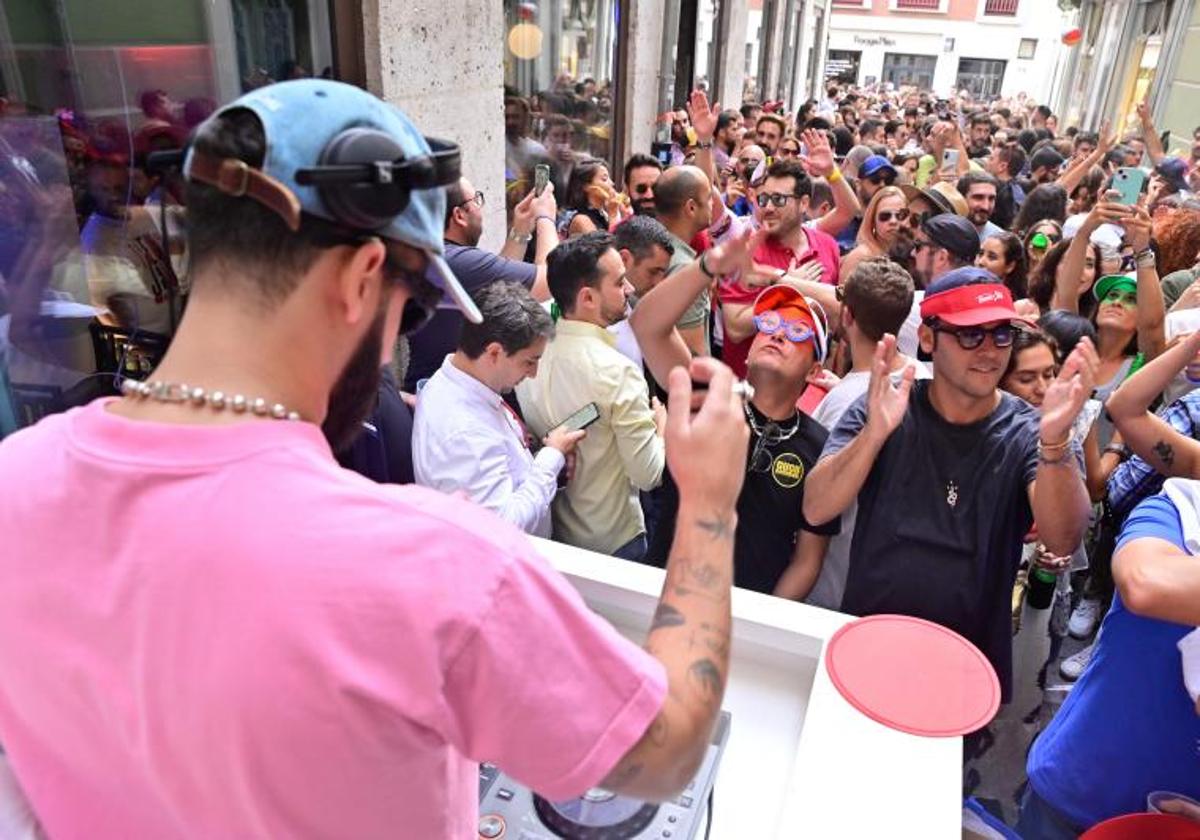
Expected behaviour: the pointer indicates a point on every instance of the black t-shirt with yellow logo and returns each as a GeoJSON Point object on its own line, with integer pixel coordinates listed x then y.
{"type": "Point", "coordinates": [769, 508]}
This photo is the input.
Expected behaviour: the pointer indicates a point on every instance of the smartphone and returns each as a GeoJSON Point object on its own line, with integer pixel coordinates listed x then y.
{"type": "Point", "coordinates": [1128, 181]}
{"type": "Point", "coordinates": [582, 418]}
{"type": "Point", "coordinates": [541, 177]}
{"type": "Point", "coordinates": [949, 161]}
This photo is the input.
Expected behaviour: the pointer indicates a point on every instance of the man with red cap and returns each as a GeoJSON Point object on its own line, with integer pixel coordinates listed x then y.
{"type": "Point", "coordinates": [950, 478]}
{"type": "Point", "coordinates": [776, 548]}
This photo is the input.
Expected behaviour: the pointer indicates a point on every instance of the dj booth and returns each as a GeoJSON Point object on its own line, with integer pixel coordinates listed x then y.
{"type": "Point", "coordinates": [798, 759]}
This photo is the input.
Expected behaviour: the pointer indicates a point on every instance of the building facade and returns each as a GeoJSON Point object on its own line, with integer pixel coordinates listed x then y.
{"type": "Point", "coordinates": [1130, 51]}
{"type": "Point", "coordinates": [991, 48]}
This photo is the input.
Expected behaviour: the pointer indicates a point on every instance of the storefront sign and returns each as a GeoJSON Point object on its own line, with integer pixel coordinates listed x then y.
{"type": "Point", "coordinates": [875, 41]}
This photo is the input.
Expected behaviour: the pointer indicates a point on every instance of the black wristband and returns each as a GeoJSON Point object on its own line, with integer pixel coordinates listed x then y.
{"type": "Point", "coordinates": [704, 266]}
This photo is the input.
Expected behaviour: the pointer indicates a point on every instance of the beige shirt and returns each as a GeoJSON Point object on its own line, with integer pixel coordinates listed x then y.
{"type": "Point", "coordinates": [622, 453]}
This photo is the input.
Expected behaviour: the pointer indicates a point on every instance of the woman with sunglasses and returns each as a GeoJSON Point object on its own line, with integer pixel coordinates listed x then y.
{"type": "Point", "coordinates": [882, 220]}
{"type": "Point", "coordinates": [1004, 256]}
{"type": "Point", "coordinates": [789, 147]}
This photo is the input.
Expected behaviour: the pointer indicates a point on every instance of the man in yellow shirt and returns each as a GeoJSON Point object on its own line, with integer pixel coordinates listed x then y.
{"type": "Point", "coordinates": [623, 451]}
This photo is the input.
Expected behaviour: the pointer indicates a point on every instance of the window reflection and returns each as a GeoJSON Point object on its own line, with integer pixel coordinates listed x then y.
{"type": "Point", "coordinates": [558, 109]}
{"type": "Point", "coordinates": [94, 98]}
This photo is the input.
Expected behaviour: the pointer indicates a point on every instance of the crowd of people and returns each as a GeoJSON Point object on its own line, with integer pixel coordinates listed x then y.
{"type": "Point", "coordinates": [957, 350]}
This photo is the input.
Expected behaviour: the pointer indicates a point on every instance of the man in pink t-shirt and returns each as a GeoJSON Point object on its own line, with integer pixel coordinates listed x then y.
{"type": "Point", "coordinates": [209, 629]}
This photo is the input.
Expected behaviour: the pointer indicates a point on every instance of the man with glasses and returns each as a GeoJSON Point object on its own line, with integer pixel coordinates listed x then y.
{"type": "Point", "coordinates": [641, 174]}
{"type": "Point", "coordinates": [477, 268]}
{"type": "Point", "coordinates": [949, 479]}
{"type": "Point", "coordinates": [941, 244]}
{"type": "Point", "coordinates": [776, 550]}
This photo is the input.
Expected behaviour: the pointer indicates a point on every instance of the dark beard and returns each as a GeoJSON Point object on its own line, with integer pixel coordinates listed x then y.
{"type": "Point", "coordinates": [356, 391]}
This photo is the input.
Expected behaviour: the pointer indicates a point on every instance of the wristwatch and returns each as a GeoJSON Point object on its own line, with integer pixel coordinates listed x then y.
{"type": "Point", "coordinates": [704, 144]}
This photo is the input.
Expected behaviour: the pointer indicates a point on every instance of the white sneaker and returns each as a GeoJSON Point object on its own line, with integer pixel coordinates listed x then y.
{"type": "Point", "coordinates": [1084, 618]}
{"type": "Point", "coordinates": [1073, 666]}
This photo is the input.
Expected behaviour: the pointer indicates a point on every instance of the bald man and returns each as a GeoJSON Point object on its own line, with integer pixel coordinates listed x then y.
{"type": "Point", "coordinates": [682, 197]}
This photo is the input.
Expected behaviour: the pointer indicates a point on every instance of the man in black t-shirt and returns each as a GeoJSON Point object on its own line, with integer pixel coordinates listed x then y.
{"type": "Point", "coordinates": [949, 480]}
{"type": "Point", "coordinates": [776, 550]}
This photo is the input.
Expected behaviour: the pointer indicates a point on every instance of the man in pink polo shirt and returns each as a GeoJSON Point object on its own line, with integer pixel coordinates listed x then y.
{"type": "Point", "coordinates": [782, 201]}
{"type": "Point", "coordinates": [209, 629]}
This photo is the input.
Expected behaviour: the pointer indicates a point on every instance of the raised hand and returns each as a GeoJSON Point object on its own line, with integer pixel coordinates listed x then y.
{"type": "Point", "coordinates": [1137, 227]}
{"type": "Point", "coordinates": [707, 452]}
{"type": "Point", "coordinates": [887, 403]}
{"type": "Point", "coordinates": [819, 160]}
{"type": "Point", "coordinates": [704, 118]}
{"type": "Point", "coordinates": [1066, 395]}
{"type": "Point", "coordinates": [735, 253]}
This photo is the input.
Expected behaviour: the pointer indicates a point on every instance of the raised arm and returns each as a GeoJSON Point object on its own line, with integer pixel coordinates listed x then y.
{"type": "Point", "coordinates": [1058, 494]}
{"type": "Point", "coordinates": [704, 121]}
{"type": "Point", "coordinates": [653, 320]}
{"type": "Point", "coordinates": [1151, 308]}
{"type": "Point", "coordinates": [691, 627]}
{"type": "Point", "coordinates": [819, 164]}
{"type": "Point", "coordinates": [1075, 174]}
{"type": "Point", "coordinates": [836, 480]}
{"type": "Point", "coordinates": [1066, 280]}
{"type": "Point", "coordinates": [1150, 437]}
{"type": "Point", "coordinates": [534, 214]}
{"type": "Point", "coordinates": [1154, 147]}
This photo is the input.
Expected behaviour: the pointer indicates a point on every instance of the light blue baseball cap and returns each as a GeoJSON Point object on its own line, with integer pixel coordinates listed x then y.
{"type": "Point", "coordinates": [300, 118]}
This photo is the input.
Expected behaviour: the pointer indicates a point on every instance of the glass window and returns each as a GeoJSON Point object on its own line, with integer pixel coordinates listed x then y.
{"type": "Point", "coordinates": [1027, 48]}
{"type": "Point", "coordinates": [904, 69]}
{"type": "Point", "coordinates": [982, 77]}
{"type": "Point", "coordinates": [93, 263]}
{"type": "Point", "coordinates": [559, 61]}
{"type": "Point", "coordinates": [842, 66]}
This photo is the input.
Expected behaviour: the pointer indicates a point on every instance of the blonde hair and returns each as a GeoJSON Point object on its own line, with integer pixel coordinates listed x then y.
{"type": "Point", "coordinates": [866, 231]}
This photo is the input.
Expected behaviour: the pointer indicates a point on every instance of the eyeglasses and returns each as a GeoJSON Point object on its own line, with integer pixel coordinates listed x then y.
{"type": "Point", "coordinates": [918, 219]}
{"type": "Point", "coordinates": [788, 151]}
{"type": "Point", "coordinates": [760, 459]}
{"type": "Point", "coordinates": [778, 199]}
{"type": "Point", "coordinates": [769, 323]}
{"type": "Point", "coordinates": [1117, 297]}
{"type": "Point", "coordinates": [887, 215]}
{"type": "Point", "coordinates": [882, 180]}
{"type": "Point", "coordinates": [642, 189]}
{"type": "Point", "coordinates": [970, 338]}
{"type": "Point", "coordinates": [477, 198]}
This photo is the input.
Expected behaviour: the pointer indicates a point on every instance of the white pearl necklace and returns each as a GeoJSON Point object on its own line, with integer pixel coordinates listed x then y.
{"type": "Point", "coordinates": [170, 392]}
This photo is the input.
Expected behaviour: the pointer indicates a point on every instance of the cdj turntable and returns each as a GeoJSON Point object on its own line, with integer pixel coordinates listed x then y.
{"type": "Point", "coordinates": [509, 811]}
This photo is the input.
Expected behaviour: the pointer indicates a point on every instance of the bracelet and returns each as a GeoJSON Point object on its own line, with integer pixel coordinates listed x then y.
{"type": "Point", "coordinates": [704, 144]}
{"type": "Point", "coordinates": [1064, 458]}
{"type": "Point", "coordinates": [549, 219]}
{"type": "Point", "coordinates": [1053, 447]}
{"type": "Point", "coordinates": [1146, 259]}
{"type": "Point", "coordinates": [516, 236]}
{"type": "Point", "coordinates": [834, 176]}
{"type": "Point", "coordinates": [704, 269]}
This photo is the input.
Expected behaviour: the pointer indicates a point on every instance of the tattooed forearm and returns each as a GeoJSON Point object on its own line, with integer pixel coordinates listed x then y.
{"type": "Point", "coordinates": [1165, 453]}
{"type": "Point", "coordinates": [706, 676]}
{"type": "Point", "coordinates": [718, 527]}
{"type": "Point", "coordinates": [667, 616]}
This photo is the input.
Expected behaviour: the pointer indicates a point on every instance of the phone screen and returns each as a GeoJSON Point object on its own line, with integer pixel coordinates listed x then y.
{"type": "Point", "coordinates": [541, 177]}
{"type": "Point", "coordinates": [582, 418]}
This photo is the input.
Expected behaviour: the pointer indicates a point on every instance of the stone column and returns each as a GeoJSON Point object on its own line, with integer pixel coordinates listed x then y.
{"type": "Point", "coordinates": [734, 17]}
{"type": "Point", "coordinates": [442, 64]}
{"type": "Point", "coordinates": [642, 75]}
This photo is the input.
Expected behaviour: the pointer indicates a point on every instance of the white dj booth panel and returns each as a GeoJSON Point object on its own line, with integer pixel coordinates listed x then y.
{"type": "Point", "coordinates": [800, 761]}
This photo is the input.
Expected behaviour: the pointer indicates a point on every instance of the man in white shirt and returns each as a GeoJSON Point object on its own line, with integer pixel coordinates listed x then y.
{"type": "Point", "coordinates": [466, 439]}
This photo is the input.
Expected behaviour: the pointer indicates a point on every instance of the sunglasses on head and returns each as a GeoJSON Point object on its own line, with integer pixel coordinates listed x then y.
{"type": "Point", "coordinates": [970, 338]}
{"type": "Point", "coordinates": [887, 215]}
{"type": "Point", "coordinates": [770, 322]}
